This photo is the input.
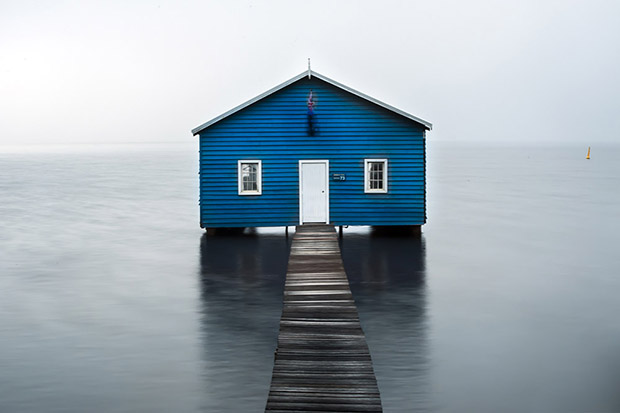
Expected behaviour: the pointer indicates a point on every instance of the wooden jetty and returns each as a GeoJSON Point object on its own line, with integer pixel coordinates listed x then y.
{"type": "Point", "coordinates": [322, 363]}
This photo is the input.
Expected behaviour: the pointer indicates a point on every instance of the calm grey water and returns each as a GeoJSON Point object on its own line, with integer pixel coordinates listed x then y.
{"type": "Point", "coordinates": [112, 300]}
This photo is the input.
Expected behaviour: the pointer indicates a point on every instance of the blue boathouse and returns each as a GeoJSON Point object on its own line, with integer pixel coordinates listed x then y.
{"type": "Point", "coordinates": [312, 150]}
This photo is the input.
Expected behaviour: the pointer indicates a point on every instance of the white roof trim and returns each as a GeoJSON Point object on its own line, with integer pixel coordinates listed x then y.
{"type": "Point", "coordinates": [202, 127]}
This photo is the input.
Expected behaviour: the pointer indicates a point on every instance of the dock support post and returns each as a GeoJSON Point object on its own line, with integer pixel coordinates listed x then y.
{"type": "Point", "coordinates": [416, 231]}
{"type": "Point", "coordinates": [340, 231]}
{"type": "Point", "coordinates": [286, 231]}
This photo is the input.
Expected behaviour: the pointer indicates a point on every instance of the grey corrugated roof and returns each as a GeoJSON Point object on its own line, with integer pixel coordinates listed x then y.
{"type": "Point", "coordinates": [202, 127]}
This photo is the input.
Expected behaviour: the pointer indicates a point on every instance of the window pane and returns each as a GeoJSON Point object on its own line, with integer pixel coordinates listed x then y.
{"type": "Point", "coordinates": [249, 176]}
{"type": "Point", "coordinates": [375, 175]}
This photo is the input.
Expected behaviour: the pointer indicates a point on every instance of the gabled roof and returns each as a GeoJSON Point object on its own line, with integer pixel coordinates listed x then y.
{"type": "Point", "coordinates": [300, 76]}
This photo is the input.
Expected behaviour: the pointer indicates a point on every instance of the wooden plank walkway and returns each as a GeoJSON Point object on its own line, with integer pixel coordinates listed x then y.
{"type": "Point", "coordinates": [322, 363]}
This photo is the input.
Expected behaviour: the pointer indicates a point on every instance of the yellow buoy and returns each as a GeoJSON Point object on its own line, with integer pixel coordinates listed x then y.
{"type": "Point", "coordinates": [588, 155]}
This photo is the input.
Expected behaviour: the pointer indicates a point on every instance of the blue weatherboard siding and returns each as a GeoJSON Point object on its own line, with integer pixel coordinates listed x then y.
{"type": "Point", "coordinates": [275, 130]}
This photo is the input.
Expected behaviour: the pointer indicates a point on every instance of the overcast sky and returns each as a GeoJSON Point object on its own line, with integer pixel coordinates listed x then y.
{"type": "Point", "coordinates": [150, 71]}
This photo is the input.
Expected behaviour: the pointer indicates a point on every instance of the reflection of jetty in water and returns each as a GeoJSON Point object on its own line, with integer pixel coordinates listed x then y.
{"type": "Point", "coordinates": [242, 280]}
{"type": "Point", "coordinates": [388, 281]}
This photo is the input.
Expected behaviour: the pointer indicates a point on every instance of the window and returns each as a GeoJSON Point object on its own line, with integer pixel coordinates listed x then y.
{"type": "Point", "coordinates": [375, 176]}
{"type": "Point", "coordinates": [249, 176]}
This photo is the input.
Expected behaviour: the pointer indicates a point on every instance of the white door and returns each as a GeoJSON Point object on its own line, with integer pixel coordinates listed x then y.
{"type": "Point", "coordinates": [313, 192]}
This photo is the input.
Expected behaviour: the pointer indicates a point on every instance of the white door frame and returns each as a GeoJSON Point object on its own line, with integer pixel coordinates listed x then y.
{"type": "Point", "coordinates": [301, 194]}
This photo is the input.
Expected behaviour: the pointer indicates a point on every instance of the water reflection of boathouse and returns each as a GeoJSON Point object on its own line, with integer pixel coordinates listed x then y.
{"type": "Point", "coordinates": [242, 281]}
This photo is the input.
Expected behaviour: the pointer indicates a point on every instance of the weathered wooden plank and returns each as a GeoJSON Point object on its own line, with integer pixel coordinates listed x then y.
{"type": "Point", "coordinates": [322, 363]}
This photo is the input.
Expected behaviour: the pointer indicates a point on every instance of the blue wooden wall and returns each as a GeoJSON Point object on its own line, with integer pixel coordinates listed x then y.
{"type": "Point", "coordinates": [274, 130]}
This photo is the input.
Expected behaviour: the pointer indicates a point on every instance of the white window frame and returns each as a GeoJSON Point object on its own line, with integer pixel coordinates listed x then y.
{"type": "Point", "coordinates": [259, 177]}
{"type": "Point", "coordinates": [367, 188]}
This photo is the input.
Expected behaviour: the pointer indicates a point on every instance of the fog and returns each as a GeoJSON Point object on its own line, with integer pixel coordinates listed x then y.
{"type": "Point", "coordinates": [141, 71]}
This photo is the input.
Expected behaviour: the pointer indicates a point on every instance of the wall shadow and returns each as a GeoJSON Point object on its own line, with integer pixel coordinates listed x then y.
{"type": "Point", "coordinates": [388, 280]}
{"type": "Point", "coordinates": [241, 284]}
